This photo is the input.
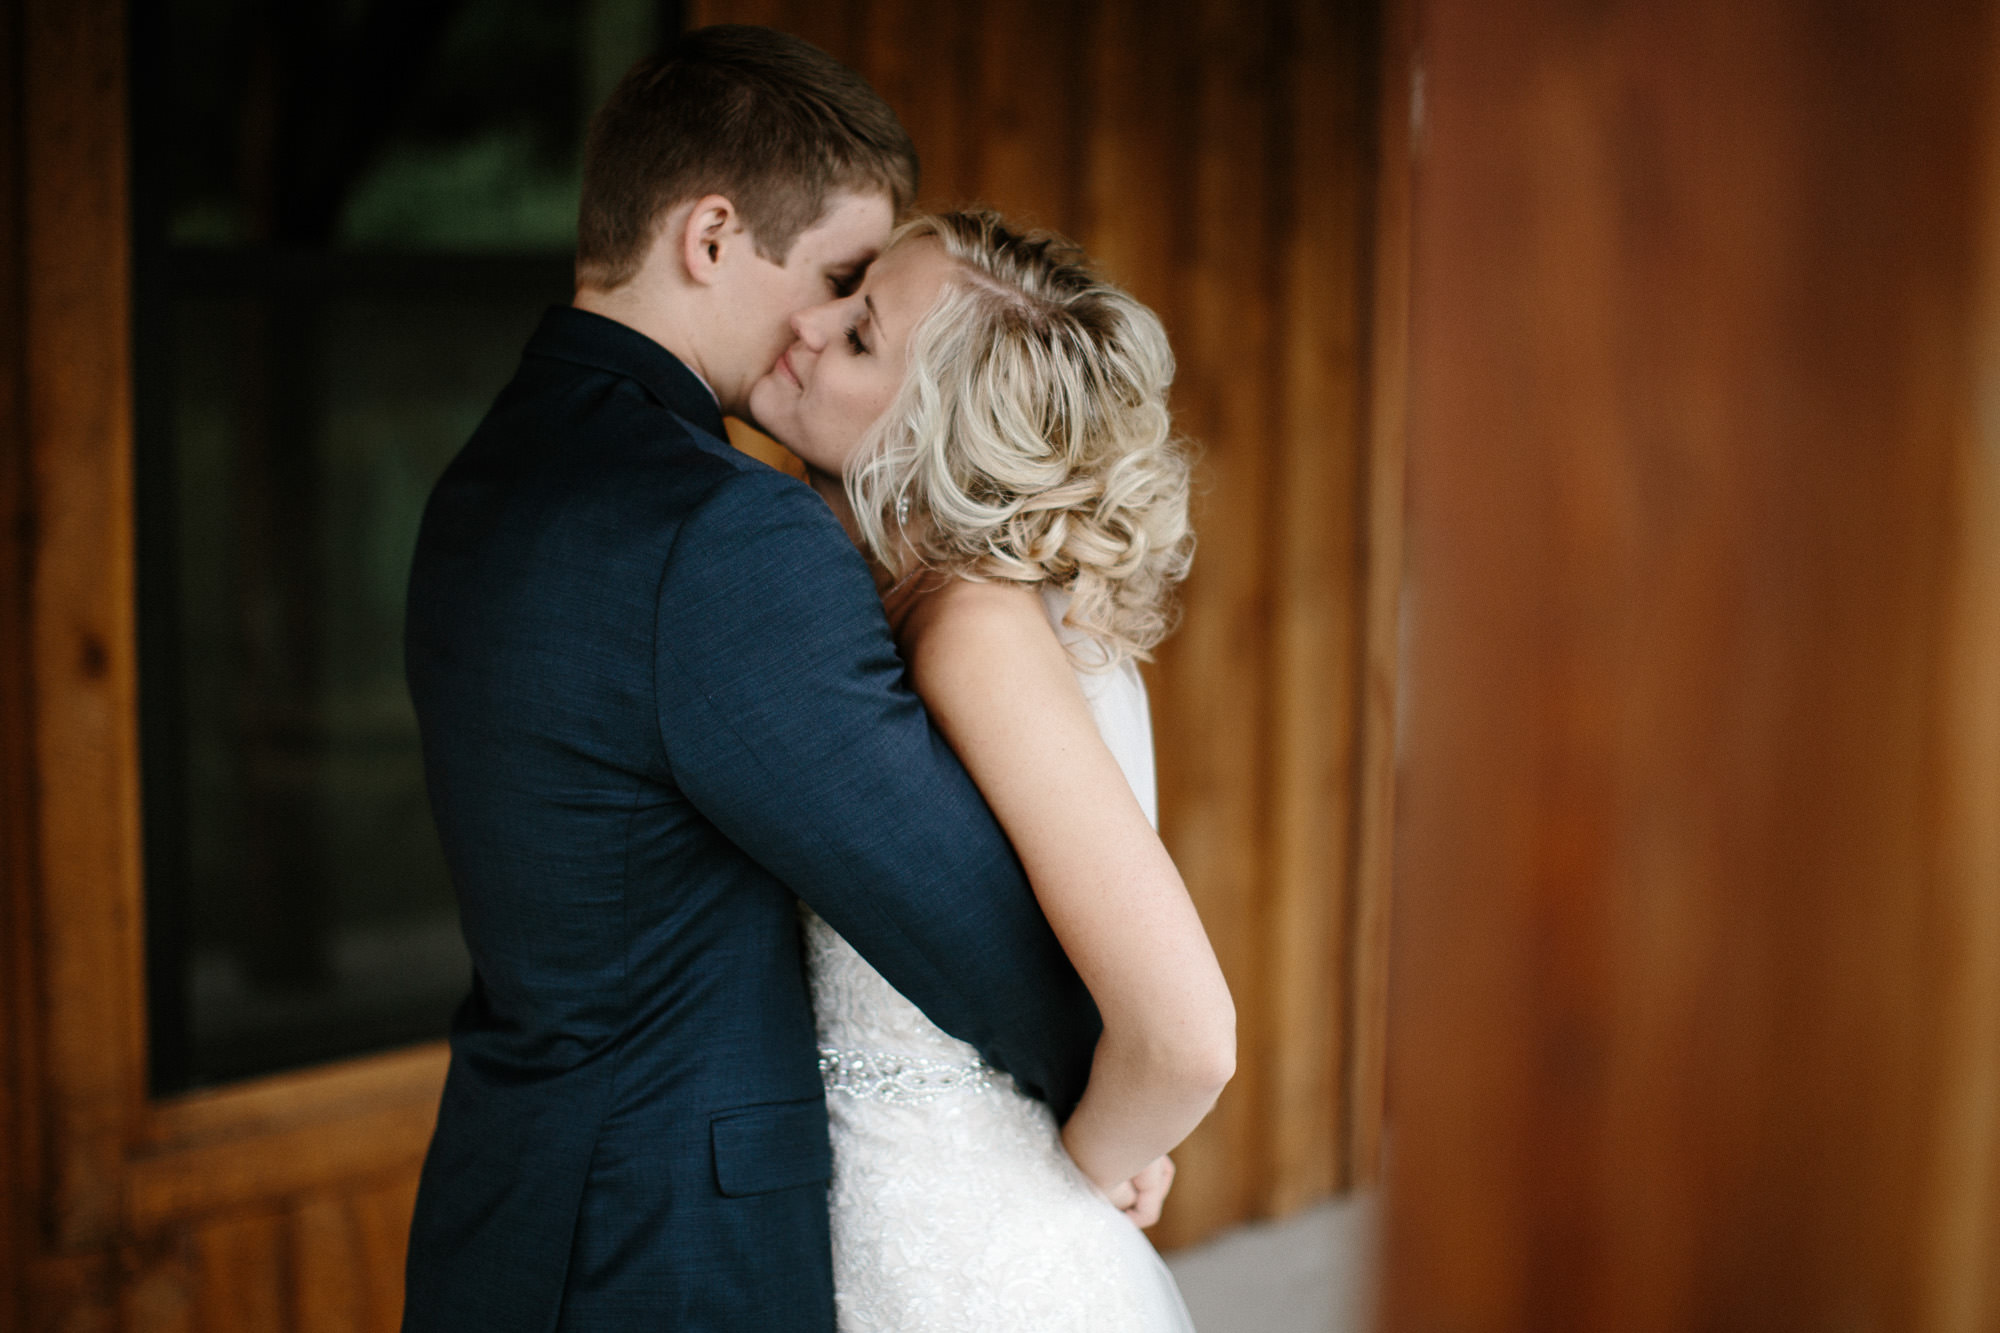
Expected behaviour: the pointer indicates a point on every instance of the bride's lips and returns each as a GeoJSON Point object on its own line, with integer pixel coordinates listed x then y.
{"type": "Point", "coordinates": [785, 364]}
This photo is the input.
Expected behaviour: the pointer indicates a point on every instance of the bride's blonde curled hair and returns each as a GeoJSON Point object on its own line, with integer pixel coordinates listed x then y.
{"type": "Point", "coordinates": [1030, 441]}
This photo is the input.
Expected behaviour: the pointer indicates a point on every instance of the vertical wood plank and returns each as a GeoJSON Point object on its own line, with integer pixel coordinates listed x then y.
{"type": "Point", "coordinates": [1318, 596]}
{"type": "Point", "coordinates": [381, 1214]}
{"type": "Point", "coordinates": [1216, 787]}
{"type": "Point", "coordinates": [327, 1293]}
{"type": "Point", "coordinates": [1136, 133]}
{"type": "Point", "coordinates": [1139, 137]}
{"type": "Point", "coordinates": [18, 1120]}
{"type": "Point", "coordinates": [834, 26]}
{"type": "Point", "coordinates": [79, 418]}
{"type": "Point", "coordinates": [1960, 1278]}
{"type": "Point", "coordinates": [763, 13]}
{"type": "Point", "coordinates": [923, 58]}
{"type": "Point", "coordinates": [1382, 561]}
{"type": "Point", "coordinates": [1027, 100]}
{"type": "Point", "coordinates": [73, 1294]}
{"type": "Point", "coordinates": [158, 1285]}
{"type": "Point", "coordinates": [1141, 140]}
{"type": "Point", "coordinates": [243, 1272]}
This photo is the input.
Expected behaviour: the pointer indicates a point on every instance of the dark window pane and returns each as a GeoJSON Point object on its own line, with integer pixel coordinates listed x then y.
{"type": "Point", "coordinates": [348, 218]}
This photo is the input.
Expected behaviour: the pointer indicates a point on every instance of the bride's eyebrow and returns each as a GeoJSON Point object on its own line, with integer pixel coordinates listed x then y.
{"type": "Point", "coordinates": [874, 317]}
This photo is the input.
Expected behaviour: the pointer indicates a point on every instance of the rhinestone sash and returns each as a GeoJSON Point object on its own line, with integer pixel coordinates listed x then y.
{"type": "Point", "coordinates": [899, 1079]}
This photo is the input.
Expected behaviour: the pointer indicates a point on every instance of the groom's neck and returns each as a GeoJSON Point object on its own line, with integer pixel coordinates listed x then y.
{"type": "Point", "coordinates": [650, 313]}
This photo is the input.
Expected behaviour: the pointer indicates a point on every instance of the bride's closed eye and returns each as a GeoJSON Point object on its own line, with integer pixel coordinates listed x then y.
{"type": "Point", "coordinates": [854, 342]}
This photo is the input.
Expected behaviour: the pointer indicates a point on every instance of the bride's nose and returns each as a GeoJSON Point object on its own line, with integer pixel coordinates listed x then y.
{"type": "Point", "coordinates": [810, 325]}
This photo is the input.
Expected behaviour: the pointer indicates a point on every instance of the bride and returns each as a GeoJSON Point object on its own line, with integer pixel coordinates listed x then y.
{"type": "Point", "coordinates": [989, 420]}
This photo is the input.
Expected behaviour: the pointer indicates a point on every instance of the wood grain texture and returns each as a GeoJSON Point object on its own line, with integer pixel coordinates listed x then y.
{"type": "Point", "coordinates": [357, 1121]}
{"type": "Point", "coordinates": [922, 58]}
{"type": "Point", "coordinates": [381, 1220]}
{"type": "Point", "coordinates": [1388, 337]}
{"type": "Point", "coordinates": [1215, 694]}
{"type": "Point", "coordinates": [74, 1293]}
{"type": "Point", "coordinates": [1319, 586]}
{"type": "Point", "coordinates": [156, 1286]}
{"type": "Point", "coordinates": [1135, 150]}
{"type": "Point", "coordinates": [1696, 942]}
{"type": "Point", "coordinates": [1959, 1271]}
{"type": "Point", "coordinates": [326, 1261]}
{"type": "Point", "coordinates": [79, 422]}
{"type": "Point", "coordinates": [1028, 101]}
{"type": "Point", "coordinates": [244, 1272]}
{"type": "Point", "coordinates": [285, 1102]}
{"type": "Point", "coordinates": [19, 1162]}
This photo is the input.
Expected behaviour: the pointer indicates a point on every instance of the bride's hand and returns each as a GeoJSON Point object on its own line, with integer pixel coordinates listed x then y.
{"type": "Point", "coordinates": [1141, 1197]}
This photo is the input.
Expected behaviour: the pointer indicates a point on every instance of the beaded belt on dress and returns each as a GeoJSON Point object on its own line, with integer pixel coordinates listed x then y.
{"type": "Point", "coordinates": [905, 1080]}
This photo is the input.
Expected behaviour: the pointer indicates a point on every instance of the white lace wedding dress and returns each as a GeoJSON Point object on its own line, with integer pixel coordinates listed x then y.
{"type": "Point", "coordinates": [955, 1208]}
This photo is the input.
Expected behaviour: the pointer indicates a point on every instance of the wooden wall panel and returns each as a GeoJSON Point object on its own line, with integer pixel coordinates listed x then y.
{"type": "Point", "coordinates": [158, 1293]}
{"type": "Point", "coordinates": [1214, 158]}
{"type": "Point", "coordinates": [241, 1271]}
{"type": "Point", "coordinates": [1697, 970]}
{"type": "Point", "coordinates": [19, 1180]}
{"type": "Point", "coordinates": [1215, 686]}
{"type": "Point", "coordinates": [945, 120]}
{"type": "Point", "coordinates": [322, 1263]}
{"type": "Point", "coordinates": [1387, 394]}
{"type": "Point", "coordinates": [1319, 622]}
{"type": "Point", "coordinates": [1029, 98]}
{"type": "Point", "coordinates": [1959, 1273]}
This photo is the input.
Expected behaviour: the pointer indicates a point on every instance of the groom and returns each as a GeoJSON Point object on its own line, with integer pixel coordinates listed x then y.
{"type": "Point", "coordinates": [658, 700]}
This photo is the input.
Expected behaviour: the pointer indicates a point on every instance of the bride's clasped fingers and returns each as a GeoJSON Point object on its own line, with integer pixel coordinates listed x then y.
{"type": "Point", "coordinates": [1142, 1197]}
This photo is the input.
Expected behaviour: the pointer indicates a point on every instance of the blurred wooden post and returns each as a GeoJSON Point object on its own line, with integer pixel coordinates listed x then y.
{"type": "Point", "coordinates": [1696, 983]}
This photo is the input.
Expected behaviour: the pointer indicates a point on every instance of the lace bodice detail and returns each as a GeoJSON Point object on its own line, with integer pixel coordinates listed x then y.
{"type": "Point", "coordinates": [954, 1207]}
{"type": "Point", "coordinates": [869, 1033]}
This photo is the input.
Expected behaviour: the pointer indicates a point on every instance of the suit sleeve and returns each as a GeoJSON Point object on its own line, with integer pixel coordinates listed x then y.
{"type": "Point", "coordinates": [788, 723]}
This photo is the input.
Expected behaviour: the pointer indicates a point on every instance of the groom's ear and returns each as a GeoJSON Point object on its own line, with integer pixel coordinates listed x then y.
{"type": "Point", "coordinates": [711, 227]}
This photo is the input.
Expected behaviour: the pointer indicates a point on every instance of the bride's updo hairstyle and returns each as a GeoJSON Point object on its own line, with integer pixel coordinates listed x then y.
{"type": "Point", "coordinates": [1030, 441]}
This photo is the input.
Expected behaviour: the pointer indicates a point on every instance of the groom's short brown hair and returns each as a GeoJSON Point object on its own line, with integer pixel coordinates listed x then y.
{"type": "Point", "coordinates": [770, 122]}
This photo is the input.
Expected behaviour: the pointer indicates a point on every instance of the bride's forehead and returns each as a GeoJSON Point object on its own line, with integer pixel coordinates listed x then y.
{"type": "Point", "coordinates": [909, 276]}
{"type": "Point", "coordinates": [918, 261]}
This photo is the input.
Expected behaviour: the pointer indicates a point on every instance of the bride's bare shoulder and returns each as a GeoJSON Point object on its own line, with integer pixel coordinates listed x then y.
{"type": "Point", "coordinates": [954, 623]}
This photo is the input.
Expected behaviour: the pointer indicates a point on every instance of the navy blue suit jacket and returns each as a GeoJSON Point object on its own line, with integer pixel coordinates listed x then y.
{"type": "Point", "coordinates": [658, 699]}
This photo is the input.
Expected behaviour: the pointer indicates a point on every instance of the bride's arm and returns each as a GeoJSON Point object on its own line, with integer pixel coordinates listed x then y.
{"type": "Point", "coordinates": [993, 675]}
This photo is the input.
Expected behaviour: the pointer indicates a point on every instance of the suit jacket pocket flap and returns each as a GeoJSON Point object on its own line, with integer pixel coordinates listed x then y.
{"type": "Point", "coordinates": [771, 1147]}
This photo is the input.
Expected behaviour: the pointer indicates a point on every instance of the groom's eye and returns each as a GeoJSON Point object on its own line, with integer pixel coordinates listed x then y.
{"type": "Point", "coordinates": [842, 284]}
